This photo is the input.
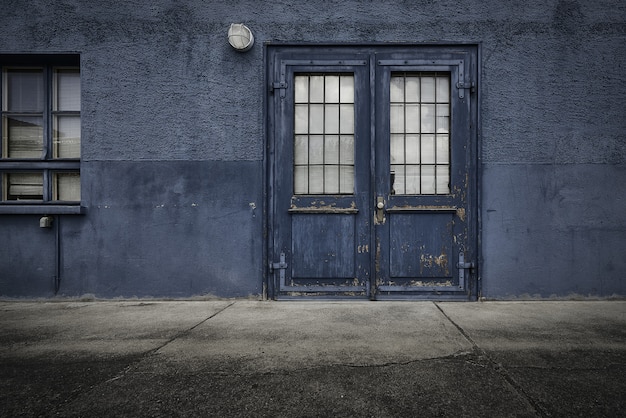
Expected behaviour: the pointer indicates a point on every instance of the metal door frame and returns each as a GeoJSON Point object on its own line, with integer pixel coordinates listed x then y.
{"type": "Point", "coordinates": [349, 51]}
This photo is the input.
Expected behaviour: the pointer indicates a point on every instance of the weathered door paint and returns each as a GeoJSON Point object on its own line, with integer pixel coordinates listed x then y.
{"type": "Point", "coordinates": [371, 168]}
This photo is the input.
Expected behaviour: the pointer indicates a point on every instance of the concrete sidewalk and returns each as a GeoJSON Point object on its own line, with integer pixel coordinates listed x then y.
{"type": "Point", "coordinates": [374, 359]}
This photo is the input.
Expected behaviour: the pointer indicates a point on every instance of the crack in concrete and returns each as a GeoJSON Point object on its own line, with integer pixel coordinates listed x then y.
{"type": "Point", "coordinates": [498, 367]}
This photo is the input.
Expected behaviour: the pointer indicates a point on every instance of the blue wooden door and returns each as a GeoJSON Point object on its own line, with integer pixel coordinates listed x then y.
{"type": "Point", "coordinates": [371, 172]}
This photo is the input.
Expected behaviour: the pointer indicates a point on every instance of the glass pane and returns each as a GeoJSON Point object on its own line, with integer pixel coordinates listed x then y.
{"type": "Point", "coordinates": [66, 187]}
{"type": "Point", "coordinates": [346, 179]}
{"type": "Point", "coordinates": [301, 123]}
{"type": "Point", "coordinates": [428, 118]}
{"type": "Point", "coordinates": [428, 90]}
{"type": "Point", "coordinates": [396, 89]}
{"type": "Point", "coordinates": [316, 119]}
{"type": "Point", "coordinates": [443, 89]}
{"type": "Point", "coordinates": [316, 179]}
{"type": "Point", "coordinates": [443, 149]}
{"type": "Point", "coordinates": [24, 186]}
{"type": "Point", "coordinates": [316, 89]}
{"type": "Point", "coordinates": [301, 89]}
{"type": "Point", "coordinates": [412, 185]}
{"type": "Point", "coordinates": [332, 89]}
{"type": "Point", "coordinates": [331, 179]}
{"type": "Point", "coordinates": [331, 119]}
{"type": "Point", "coordinates": [397, 186]}
{"type": "Point", "coordinates": [396, 118]}
{"type": "Point", "coordinates": [346, 149]}
{"type": "Point", "coordinates": [23, 136]}
{"type": "Point", "coordinates": [24, 91]}
{"type": "Point", "coordinates": [397, 149]}
{"type": "Point", "coordinates": [67, 90]}
{"type": "Point", "coordinates": [346, 119]}
{"type": "Point", "coordinates": [412, 118]}
{"type": "Point", "coordinates": [301, 149]}
{"type": "Point", "coordinates": [316, 149]}
{"type": "Point", "coordinates": [428, 179]}
{"type": "Point", "coordinates": [346, 92]}
{"type": "Point", "coordinates": [443, 118]}
{"type": "Point", "coordinates": [412, 144]}
{"type": "Point", "coordinates": [428, 149]}
{"type": "Point", "coordinates": [300, 179]}
{"type": "Point", "coordinates": [331, 149]}
{"type": "Point", "coordinates": [67, 137]}
{"type": "Point", "coordinates": [443, 179]}
{"type": "Point", "coordinates": [412, 89]}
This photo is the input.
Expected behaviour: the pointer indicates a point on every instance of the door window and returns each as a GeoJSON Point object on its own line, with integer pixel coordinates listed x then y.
{"type": "Point", "coordinates": [323, 134]}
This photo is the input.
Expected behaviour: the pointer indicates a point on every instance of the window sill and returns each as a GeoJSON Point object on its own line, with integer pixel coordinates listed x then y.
{"type": "Point", "coordinates": [41, 209]}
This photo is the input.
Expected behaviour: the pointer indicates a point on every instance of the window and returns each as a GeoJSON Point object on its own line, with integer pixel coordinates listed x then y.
{"type": "Point", "coordinates": [41, 134]}
{"type": "Point", "coordinates": [324, 134]}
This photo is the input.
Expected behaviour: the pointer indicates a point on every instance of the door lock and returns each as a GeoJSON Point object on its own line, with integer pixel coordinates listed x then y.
{"type": "Point", "coordinates": [380, 210]}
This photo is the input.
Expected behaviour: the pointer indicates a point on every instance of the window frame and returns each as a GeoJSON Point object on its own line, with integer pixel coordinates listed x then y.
{"type": "Point", "coordinates": [46, 164]}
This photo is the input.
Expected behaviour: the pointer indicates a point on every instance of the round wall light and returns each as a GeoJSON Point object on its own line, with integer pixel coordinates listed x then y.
{"type": "Point", "coordinates": [240, 37]}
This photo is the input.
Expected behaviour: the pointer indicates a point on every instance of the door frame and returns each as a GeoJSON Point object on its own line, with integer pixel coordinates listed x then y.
{"type": "Point", "coordinates": [272, 87]}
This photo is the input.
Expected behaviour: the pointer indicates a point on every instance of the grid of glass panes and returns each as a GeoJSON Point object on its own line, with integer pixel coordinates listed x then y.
{"type": "Point", "coordinates": [25, 107]}
{"type": "Point", "coordinates": [324, 134]}
{"type": "Point", "coordinates": [420, 133]}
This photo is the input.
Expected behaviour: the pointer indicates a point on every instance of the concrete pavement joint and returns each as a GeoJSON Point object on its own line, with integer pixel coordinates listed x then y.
{"type": "Point", "coordinates": [174, 338]}
{"type": "Point", "coordinates": [498, 367]}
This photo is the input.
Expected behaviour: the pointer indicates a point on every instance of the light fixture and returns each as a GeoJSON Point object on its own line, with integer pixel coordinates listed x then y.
{"type": "Point", "coordinates": [240, 37]}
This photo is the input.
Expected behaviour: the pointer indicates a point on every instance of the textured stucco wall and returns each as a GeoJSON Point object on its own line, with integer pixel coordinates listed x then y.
{"type": "Point", "coordinates": [173, 139]}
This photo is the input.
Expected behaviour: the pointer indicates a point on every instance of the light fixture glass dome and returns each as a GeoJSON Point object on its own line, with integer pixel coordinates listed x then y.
{"type": "Point", "coordinates": [240, 37]}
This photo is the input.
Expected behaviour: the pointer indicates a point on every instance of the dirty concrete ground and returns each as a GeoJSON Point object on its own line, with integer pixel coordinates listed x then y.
{"type": "Point", "coordinates": [226, 358]}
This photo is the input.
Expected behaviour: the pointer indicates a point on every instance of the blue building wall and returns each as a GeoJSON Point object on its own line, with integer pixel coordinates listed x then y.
{"type": "Point", "coordinates": [173, 135]}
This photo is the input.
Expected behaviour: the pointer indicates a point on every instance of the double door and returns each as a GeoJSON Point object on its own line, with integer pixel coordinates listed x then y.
{"type": "Point", "coordinates": [371, 172]}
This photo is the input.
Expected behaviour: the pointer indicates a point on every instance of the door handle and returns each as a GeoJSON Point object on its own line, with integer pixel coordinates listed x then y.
{"type": "Point", "coordinates": [380, 210]}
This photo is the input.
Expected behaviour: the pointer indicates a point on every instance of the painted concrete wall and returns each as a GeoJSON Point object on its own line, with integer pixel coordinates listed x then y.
{"type": "Point", "coordinates": [173, 140]}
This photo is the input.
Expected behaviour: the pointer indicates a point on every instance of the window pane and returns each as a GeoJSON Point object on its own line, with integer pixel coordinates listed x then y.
{"type": "Point", "coordinates": [67, 137]}
{"type": "Point", "coordinates": [316, 149]}
{"type": "Point", "coordinates": [443, 118]}
{"type": "Point", "coordinates": [412, 146]}
{"type": "Point", "coordinates": [66, 187]}
{"type": "Point", "coordinates": [412, 185]}
{"type": "Point", "coordinates": [316, 119]}
{"type": "Point", "coordinates": [346, 119]}
{"type": "Point", "coordinates": [331, 179]}
{"type": "Point", "coordinates": [428, 89]}
{"type": "Point", "coordinates": [443, 149]}
{"type": "Point", "coordinates": [24, 91]}
{"type": "Point", "coordinates": [428, 149]}
{"type": "Point", "coordinates": [331, 149]}
{"type": "Point", "coordinates": [396, 89]}
{"type": "Point", "coordinates": [300, 179]}
{"type": "Point", "coordinates": [397, 149]}
{"type": "Point", "coordinates": [428, 118]}
{"type": "Point", "coordinates": [346, 179]}
{"type": "Point", "coordinates": [67, 90]}
{"type": "Point", "coordinates": [346, 149]}
{"type": "Point", "coordinates": [301, 149]}
{"type": "Point", "coordinates": [316, 179]}
{"type": "Point", "coordinates": [331, 89]}
{"type": "Point", "coordinates": [428, 179]}
{"type": "Point", "coordinates": [443, 179]}
{"type": "Point", "coordinates": [331, 119]}
{"type": "Point", "coordinates": [346, 89]}
{"type": "Point", "coordinates": [412, 116]}
{"type": "Point", "coordinates": [23, 186]}
{"type": "Point", "coordinates": [301, 123]}
{"type": "Point", "coordinates": [397, 186]}
{"type": "Point", "coordinates": [301, 89]}
{"type": "Point", "coordinates": [443, 89]}
{"type": "Point", "coordinates": [412, 89]}
{"type": "Point", "coordinates": [396, 118]}
{"type": "Point", "coordinates": [23, 136]}
{"type": "Point", "coordinates": [316, 89]}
